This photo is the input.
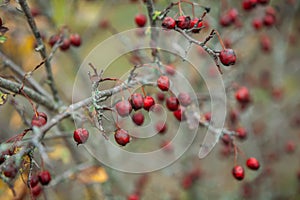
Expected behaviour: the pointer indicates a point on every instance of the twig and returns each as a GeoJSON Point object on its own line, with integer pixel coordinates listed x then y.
{"type": "Point", "coordinates": [36, 97]}
{"type": "Point", "coordinates": [41, 48]}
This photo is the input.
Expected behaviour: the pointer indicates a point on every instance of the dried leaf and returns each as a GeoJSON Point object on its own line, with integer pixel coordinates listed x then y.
{"type": "Point", "coordinates": [93, 174]}
{"type": "Point", "coordinates": [60, 152]}
{"type": "Point", "coordinates": [3, 98]}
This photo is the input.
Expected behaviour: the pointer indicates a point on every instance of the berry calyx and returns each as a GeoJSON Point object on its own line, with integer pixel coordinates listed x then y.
{"type": "Point", "coordinates": [148, 102]}
{"type": "Point", "coordinates": [44, 177]}
{"type": "Point", "coordinates": [252, 163]}
{"type": "Point", "coordinates": [227, 57]}
{"type": "Point", "coordinates": [75, 39]}
{"type": "Point", "coordinates": [163, 83]}
{"type": "Point", "coordinates": [123, 108]}
{"type": "Point", "coordinates": [138, 118]}
{"type": "Point", "coordinates": [140, 20]}
{"type": "Point", "coordinates": [168, 23]}
{"type": "Point", "coordinates": [172, 103]}
{"type": "Point", "coordinates": [122, 137]}
{"type": "Point", "coordinates": [137, 101]}
{"type": "Point", "coordinates": [242, 95]}
{"type": "Point", "coordinates": [39, 119]}
{"type": "Point", "coordinates": [238, 172]}
{"type": "Point", "coordinates": [184, 99]}
{"type": "Point", "coordinates": [80, 135]}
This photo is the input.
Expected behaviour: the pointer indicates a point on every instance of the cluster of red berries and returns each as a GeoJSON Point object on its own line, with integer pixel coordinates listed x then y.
{"type": "Point", "coordinates": [238, 171]}
{"type": "Point", "coordinates": [268, 20]}
{"type": "Point", "coordinates": [44, 178]}
{"type": "Point", "coordinates": [250, 4]}
{"type": "Point", "coordinates": [74, 39]}
{"type": "Point", "coordinates": [183, 22]}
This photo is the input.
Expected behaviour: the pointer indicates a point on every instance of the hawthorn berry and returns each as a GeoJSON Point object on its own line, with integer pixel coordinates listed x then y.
{"type": "Point", "coordinates": [138, 118]}
{"type": "Point", "coordinates": [269, 20]}
{"type": "Point", "coordinates": [226, 139]}
{"type": "Point", "coordinates": [75, 39]}
{"type": "Point", "coordinates": [10, 171]}
{"type": "Point", "coordinates": [263, 2]}
{"type": "Point", "coordinates": [140, 20]}
{"type": "Point", "coordinates": [137, 101]}
{"type": "Point", "coordinates": [160, 96]}
{"type": "Point", "coordinates": [122, 137]}
{"type": "Point", "coordinates": [53, 39]}
{"type": "Point", "coordinates": [249, 4]}
{"type": "Point", "coordinates": [66, 43]}
{"type": "Point", "coordinates": [241, 133]}
{"type": "Point", "coordinates": [133, 197]}
{"type": "Point", "coordinates": [34, 180]}
{"type": "Point", "coordinates": [227, 57]}
{"type": "Point", "coordinates": [39, 119]}
{"type": "Point", "coordinates": [184, 99]}
{"type": "Point", "coordinates": [163, 83]}
{"type": "Point", "coordinates": [225, 20]}
{"type": "Point", "coordinates": [172, 103]}
{"type": "Point", "coordinates": [36, 190]}
{"type": "Point", "coordinates": [193, 24]}
{"type": "Point", "coordinates": [183, 22]}
{"type": "Point", "coordinates": [161, 127]}
{"type": "Point", "coordinates": [44, 177]}
{"type": "Point", "coordinates": [179, 114]}
{"type": "Point", "coordinates": [265, 43]}
{"type": "Point", "coordinates": [233, 14]}
{"type": "Point", "coordinates": [242, 95]}
{"type": "Point", "coordinates": [252, 163]}
{"type": "Point", "coordinates": [123, 108]}
{"type": "Point", "coordinates": [238, 172]}
{"type": "Point", "coordinates": [80, 135]}
{"type": "Point", "coordinates": [148, 102]}
{"type": "Point", "coordinates": [257, 23]}
{"type": "Point", "coordinates": [170, 69]}
{"type": "Point", "coordinates": [207, 116]}
{"type": "Point", "coordinates": [290, 147]}
{"type": "Point", "coordinates": [168, 23]}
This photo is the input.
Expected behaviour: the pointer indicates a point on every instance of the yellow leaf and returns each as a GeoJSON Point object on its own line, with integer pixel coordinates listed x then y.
{"type": "Point", "coordinates": [15, 120]}
{"type": "Point", "coordinates": [60, 152]}
{"type": "Point", "coordinates": [3, 98]}
{"type": "Point", "coordinates": [92, 175]}
{"type": "Point", "coordinates": [19, 187]}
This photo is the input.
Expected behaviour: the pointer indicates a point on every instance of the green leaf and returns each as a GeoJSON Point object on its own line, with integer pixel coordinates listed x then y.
{"type": "Point", "coordinates": [2, 39]}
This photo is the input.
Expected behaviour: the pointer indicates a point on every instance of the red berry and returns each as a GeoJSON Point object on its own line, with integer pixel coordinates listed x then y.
{"type": "Point", "coordinates": [148, 102]}
{"type": "Point", "coordinates": [225, 20]}
{"type": "Point", "coordinates": [270, 11]}
{"type": "Point", "coordinates": [34, 180]}
{"type": "Point", "coordinates": [179, 114]}
{"type": "Point", "coordinates": [249, 4]}
{"type": "Point", "coordinates": [241, 133]}
{"type": "Point", "coordinates": [140, 20]}
{"type": "Point", "coordinates": [167, 146]}
{"type": "Point", "coordinates": [193, 24]}
{"type": "Point", "coordinates": [10, 171]}
{"type": "Point", "coordinates": [36, 190]}
{"type": "Point", "coordinates": [53, 39]}
{"type": "Point", "coordinates": [168, 23]}
{"type": "Point", "coordinates": [265, 43]}
{"type": "Point", "coordinates": [238, 172]}
{"type": "Point", "coordinates": [161, 127]}
{"type": "Point", "coordinates": [252, 163]}
{"type": "Point", "coordinates": [183, 22]}
{"type": "Point", "coordinates": [233, 14]}
{"type": "Point", "coordinates": [269, 20]}
{"type": "Point", "coordinates": [172, 103]}
{"type": "Point", "coordinates": [65, 44]}
{"type": "Point", "coordinates": [39, 119]}
{"type": "Point", "coordinates": [122, 137]}
{"type": "Point", "coordinates": [138, 118]}
{"type": "Point", "coordinates": [184, 99]}
{"type": "Point", "coordinates": [257, 23]}
{"type": "Point", "coordinates": [263, 2]}
{"type": "Point", "coordinates": [44, 177]}
{"type": "Point", "coordinates": [80, 135]}
{"type": "Point", "coordinates": [242, 95]}
{"type": "Point", "coordinates": [227, 57]}
{"type": "Point", "coordinates": [133, 197]}
{"type": "Point", "coordinates": [160, 96]}
{"type": "Point", "coordinates": [123, 108]}
{"type": "Point", "coordinates": [226, 139]}
{"type": "Point", "coordinates": [290, 147]}
{"type": "Point", "coordinates": [207, 116]}
{"type": "Point", "coordinates": [170, 69]}
{"type": "Point", "coordinates": [104, 23]}
{"type": "Point", "coordinates": [187, 182]}
{"type": "Point", "coordinates": [163, 83]}
{"type": "Point", "coordinates": [75, 39]}
{"type": "Point", "coordinates": [137, 101]}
